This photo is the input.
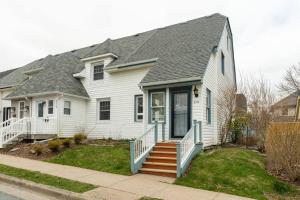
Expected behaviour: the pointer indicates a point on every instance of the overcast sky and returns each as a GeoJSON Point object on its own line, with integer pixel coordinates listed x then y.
{"type": "Point", "coordinates": [265, 32]}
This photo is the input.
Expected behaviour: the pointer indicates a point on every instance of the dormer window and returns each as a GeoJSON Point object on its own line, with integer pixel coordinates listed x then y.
{"type": "Point", "coordinates": [98, 71]}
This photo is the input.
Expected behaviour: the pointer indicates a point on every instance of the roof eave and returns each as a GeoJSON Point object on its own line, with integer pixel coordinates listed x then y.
{"type": "Point", "coordinates": [99, 57]}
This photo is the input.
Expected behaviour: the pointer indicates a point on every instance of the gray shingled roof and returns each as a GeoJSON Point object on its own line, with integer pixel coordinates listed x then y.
{"type": "Point", "coordinates": [182, 51]}
{"type": "Point", "coordinates": [5, 73]}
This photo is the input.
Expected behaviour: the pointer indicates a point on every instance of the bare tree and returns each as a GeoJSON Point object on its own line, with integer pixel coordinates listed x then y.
{"type": "Point", "coordinates": [260, 98]}
{"type": "Point", "coordinates": [226, 103]}
{"type": "Point", "coordinates": [291, 80]}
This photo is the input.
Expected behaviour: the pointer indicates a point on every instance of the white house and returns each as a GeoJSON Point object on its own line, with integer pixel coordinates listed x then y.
{"type": "Point", "coordinates": [119, 88]}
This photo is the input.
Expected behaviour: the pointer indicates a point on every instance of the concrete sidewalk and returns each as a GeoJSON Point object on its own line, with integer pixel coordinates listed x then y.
{"type": "Point", "coordinates": [119, 187]}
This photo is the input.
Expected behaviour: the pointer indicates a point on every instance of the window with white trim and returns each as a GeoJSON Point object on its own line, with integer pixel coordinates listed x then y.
{"type": "Point", "coordinates": [21, 109]}
{"type": "Point", "coordinates": [50, 107]}
{"type": "Point", "coordinates": [138, 108]}
{"type": "Point", "coordinates": [67, 107]}
{"type": "Point", "coordinates": [98, 71]}
{"type": "Point", "coordinates": [104, 109]}
{"type": "Point", "coordinates": [157, 106]}
{"type": "Point", "coordinates": [208, 106]}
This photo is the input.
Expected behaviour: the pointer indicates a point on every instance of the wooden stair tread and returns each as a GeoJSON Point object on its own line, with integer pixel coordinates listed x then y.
{"type": "Point", "coordinates": [158, 157]}
{"type": "Point", "coordinates": [166, 152]}
{"type": "Point", "coordinates": [166, 147]}
{"type": "Point", "coordinates": [158, 170]}
{"type": "Point", "coordinates": [159, 163]}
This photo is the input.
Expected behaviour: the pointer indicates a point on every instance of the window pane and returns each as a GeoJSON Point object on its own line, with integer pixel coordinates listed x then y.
{"type": "Point", "coordinates": [40, 110]}
{"type": "Point", "coordinates": [104, 115]}
{"type": "Point", "coordinates": [157, 99]}
{"type": "Point", "coordinates": [50, 111]}
{"type": "Point", "coordinates": [104, 105]}
{"type": "Point", "coordinates": [50, 103]}
{"type": "Point", "coordinates": [140, 105]}
{"type": "Point", "coordinates": [67, 108]}
{"type": "Point", "coordinates": [67, 104]}
{"type": "Point", "coordinates": [67, 111]}
{"type": "Point", "coordinates": [140, 117]}
{"type": "Point", "coordinates": [98, 72]}
{"type": "Point", "coordinates": [158, 114]}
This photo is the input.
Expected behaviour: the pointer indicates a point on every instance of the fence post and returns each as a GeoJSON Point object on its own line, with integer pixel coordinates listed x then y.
{"type": "Point", "coordinates": [200, 131]}
{"type": "Point", "coordinates": [163, 131]}
{"type": "Point", "coordinates": [178, 160]}
{"type": "Point", "coordinates": [155, 132]}
{"type": "Point", "coordinates": [132, 151]}
{"type": "Point", "coordinates": [195, 131]}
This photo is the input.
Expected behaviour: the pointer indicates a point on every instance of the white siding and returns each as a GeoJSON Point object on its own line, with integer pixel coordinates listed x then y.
{"type": "Point", "coordinates": [76, 121]}
{"type": "Point", "coordinates": [120, 87]}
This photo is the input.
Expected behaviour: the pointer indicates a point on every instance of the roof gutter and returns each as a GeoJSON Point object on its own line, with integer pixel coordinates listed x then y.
{"type": "Point", "coordinates": [99, 57]}
{"type": "Point", "coordinates": [181, 80]}
{"type": "Point", "coordinates": [44, 93]}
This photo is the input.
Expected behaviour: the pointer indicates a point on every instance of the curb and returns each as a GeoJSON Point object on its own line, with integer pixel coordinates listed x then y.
{"type": "Point", "coordinates": [44, 189]}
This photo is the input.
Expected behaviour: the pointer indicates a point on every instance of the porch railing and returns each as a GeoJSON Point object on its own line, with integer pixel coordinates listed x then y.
{"type": "Point", "coordinates": [12, 130]}
{"type": "Point", "coordinates": [188, 147]}
{"type": "Point", "coordinates": [140, 147]}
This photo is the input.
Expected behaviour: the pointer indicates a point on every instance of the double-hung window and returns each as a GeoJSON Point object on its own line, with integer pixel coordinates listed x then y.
{"type": "Point", "coordinates": [138, 108]}
{"type": "Point", "coordinates": [67, 107]}
{"type": "Point", "coordinates": [98, 71]}
{"type": "Point", "coordinates": [21, 109]}
{"type": "Point", "coordinates": [50, 107]}
{"type": "Point", "coordinates": [208, 106]}
{"type": "Point", "coordinates": [104, 109]}
{"type": "Point", "coordinates": [157, 106]}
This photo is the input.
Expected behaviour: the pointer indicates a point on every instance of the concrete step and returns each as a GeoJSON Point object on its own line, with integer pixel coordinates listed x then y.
{"type": "Point", "coordinates": [159, 172]}
{"type": "Point", "coordinates": [157, 165]}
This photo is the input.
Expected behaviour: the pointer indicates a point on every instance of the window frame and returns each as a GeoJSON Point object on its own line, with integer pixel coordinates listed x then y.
{"type": "Point", "coordinates": [164, 106]}
{"type": "Point", "coordinates": [70, 108]}
{"type": "Point", "coordinates": [99, 109]}
{"type": "Point", "coordinates": [101, 72]}
{"type": "Point", "coordinates": [208, 106]}
{"type": "Point", "coordinates": [23, 110]}
{"type": "Point", "coordinates": [222, 63]}
{"type": "Point", "coordinates": [48, 102]}
{"type": "Point", "coordinates": [136, 113]}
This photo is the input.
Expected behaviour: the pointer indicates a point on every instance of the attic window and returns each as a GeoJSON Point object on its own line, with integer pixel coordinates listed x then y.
{"type": "Point", "coordinates": [98, 71]}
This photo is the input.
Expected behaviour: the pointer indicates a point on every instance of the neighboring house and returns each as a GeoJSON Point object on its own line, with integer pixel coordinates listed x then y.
{"type": "Point", "coordinates": [285, 110]}
{"type": "Point", "coordinates": [118, 88]}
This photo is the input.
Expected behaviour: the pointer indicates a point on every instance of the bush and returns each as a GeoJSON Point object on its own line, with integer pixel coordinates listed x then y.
{"type": "Point", "coordinates": [281, 188]}
{"type": "Point", "coordinates": [66, 142]}
{"type": "Point", "coordinates": [53, 145]}
{"type": "Point", "coordinates": [38, 149]}
{"type": "Point", "coordinates": [283, 149]}
{"type": "Point", "coordinates": [79, 137]}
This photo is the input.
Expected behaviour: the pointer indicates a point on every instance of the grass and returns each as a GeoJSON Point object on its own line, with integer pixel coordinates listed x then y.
{"type": "Point", "coordinates": [45, 179]}
{"type": "Point", "coordinates": [112, 157]}
{"type": "Point", "coordinates": [236, 171]}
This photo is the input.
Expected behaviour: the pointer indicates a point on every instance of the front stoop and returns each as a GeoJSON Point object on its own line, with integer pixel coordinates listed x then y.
{"type": "Point", "coordinates": [161, 160]}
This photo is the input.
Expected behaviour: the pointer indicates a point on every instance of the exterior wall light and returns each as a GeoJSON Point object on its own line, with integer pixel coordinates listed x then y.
{"type": "Point", "coordinates": [196, 92]}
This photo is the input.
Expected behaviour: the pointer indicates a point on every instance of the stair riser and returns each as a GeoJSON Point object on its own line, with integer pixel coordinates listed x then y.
{"type": "Point", "coordinates": [164, 149]}
{"type": "Point", "coordinates": [159, 167]}
{"type": "Point", "coordinates": [166, 144]}
{"type": "Point", "coordinates": [161, 160]}
{"type": "Point", "coordinates": [173, 175]}
{"type": "Point", "coordinates": [169, 155]}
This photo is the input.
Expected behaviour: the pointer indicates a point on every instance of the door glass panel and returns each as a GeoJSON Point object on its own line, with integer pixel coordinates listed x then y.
{"type": "Point", "coordinates": [180, 114]}
{"type": "Point", "coordinates": [40, 110]}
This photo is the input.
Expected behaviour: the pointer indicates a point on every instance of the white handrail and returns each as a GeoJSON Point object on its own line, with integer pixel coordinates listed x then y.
{"type": "Point", "coordinates": [13, 130]}
{"type": "Point", "coordinates": [186, 144]}
{"type": "Point", "coordinates": [143, 143]}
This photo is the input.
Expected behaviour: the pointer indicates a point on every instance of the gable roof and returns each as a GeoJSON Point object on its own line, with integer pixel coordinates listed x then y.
{"type": "Point", "coordinates": [289, 101]}
{"type": "Point", "coordinates": [179, 51]}
{"type": "Point", "coordinates": [5, 73]}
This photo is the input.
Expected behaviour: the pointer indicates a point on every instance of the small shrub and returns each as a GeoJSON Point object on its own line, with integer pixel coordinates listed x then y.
{"type": "Point", "coordinates": [283, 149]}
{"type": "Point", "coordinates": [79, 137]}
{"type": "Point", "coordinates": [66, 142]}
{"type": "Point", "coordinates": [281, 188]}
{"type": "Point", "coordinates": [53, 145]}
{"type": "Point", "coordinates": [38, 149]}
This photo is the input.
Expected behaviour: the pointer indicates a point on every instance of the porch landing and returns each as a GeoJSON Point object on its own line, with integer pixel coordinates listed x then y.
{"type": "Point", "coordinates": [115, 187]}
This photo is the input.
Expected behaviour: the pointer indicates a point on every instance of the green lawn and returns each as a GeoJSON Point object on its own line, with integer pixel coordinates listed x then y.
{"type": "Point", "coordinates": [112, 157]}
{"type": "Point", "coordinates": [45, 179]}
{"type": "Point", "coordinates": [236, 171]}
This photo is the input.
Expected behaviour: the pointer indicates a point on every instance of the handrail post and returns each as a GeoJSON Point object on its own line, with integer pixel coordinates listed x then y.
{"type": "Point", "coordinates": [178, 160]}
{"type": "Point", "coordinates": [195, 131]}
{"type": "Point", "coordinates": [163, 131]}
{"type": "Point", "coordinates": [155, 132]}
{"type": "Point", "coordinates": [200, 131]}
{"type": "Point", "coordinates": [132, 151]}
